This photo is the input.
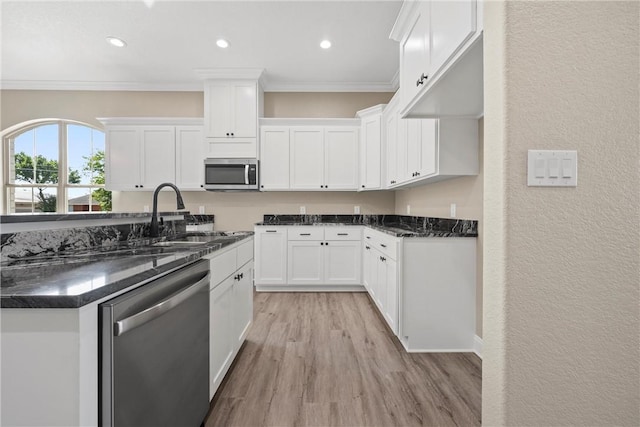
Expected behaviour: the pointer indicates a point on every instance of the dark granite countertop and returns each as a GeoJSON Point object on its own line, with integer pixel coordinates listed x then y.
{"type": "Point", "coordinates": [43, 217]}
{"type": "Point", "coordinates": [76, 278]}
{"type": "Point", "coordinates": [395, 225]}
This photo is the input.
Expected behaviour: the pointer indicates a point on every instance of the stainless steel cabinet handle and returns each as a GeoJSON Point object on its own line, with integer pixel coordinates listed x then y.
{"type": "Point", "coordinates": [123, 326]}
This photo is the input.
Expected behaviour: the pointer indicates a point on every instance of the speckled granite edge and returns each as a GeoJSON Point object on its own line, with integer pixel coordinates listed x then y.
{"type": "Point", "coordinates": [44, 217]}
{"type": "Point", "coordinates": [396, 225]}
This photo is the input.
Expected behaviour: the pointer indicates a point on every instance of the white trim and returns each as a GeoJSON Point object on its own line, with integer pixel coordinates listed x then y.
{"type": "Point", "coordinates": [272, 86]}
{"type": "Point", "coordinates": [138, 121]}
{"type": "Point", "coordinates": [307, 122]}
{"type": "Point", "coordinates": [269, 86]}
{"type": "Point", "coordinates": [100, 86]}
{"type": "Point", "coordinates": [477, 346]}
{"type": "Point", "coordinates": [376, 109]}
{"type": "Point", "coordinates": [230, 73]}
{"type": "Point", "coordinates": [395, 80]}
{"type": "Point", "coordinates": [310, 288]}
{"type": "Point", "coordinates": [402, 21]}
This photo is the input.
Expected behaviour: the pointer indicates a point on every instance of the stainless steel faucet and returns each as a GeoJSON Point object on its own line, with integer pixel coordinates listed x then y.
{"type": "Point", "coordinates": [154, 215]}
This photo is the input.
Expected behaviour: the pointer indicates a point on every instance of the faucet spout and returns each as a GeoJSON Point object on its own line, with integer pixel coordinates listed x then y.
{"type": "Point", "coordinates": [154, 232]}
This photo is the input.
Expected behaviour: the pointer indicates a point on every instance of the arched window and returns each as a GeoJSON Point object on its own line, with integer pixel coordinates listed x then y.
{"type": "Point", "coordinates": [55, 166]}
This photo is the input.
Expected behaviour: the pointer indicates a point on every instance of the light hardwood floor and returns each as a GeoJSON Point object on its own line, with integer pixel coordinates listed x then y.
{"type": "Point", "coordinates": [327, 359]}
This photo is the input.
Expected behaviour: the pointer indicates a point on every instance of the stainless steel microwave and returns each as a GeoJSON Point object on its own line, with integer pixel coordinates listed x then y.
{"type": "Point", "coordinates": [230, 174]}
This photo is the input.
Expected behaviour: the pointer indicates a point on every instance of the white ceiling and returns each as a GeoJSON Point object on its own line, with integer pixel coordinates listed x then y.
{"type": "Point", "coordinates": [61, 44]}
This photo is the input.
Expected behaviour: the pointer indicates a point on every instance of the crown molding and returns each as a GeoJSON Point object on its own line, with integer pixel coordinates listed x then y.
{"type": "Point", "coordinates": [230, 73]}
{"type": "Point", "coordinates": [150, 121]}
{"type": "Point", "coordinates": [197, 86]}
{"type": "Point", "coordinates": [403, 20]}
{"type": "Point", "coordinates": [272, 86]}
{"type": "Point", "coordinates": [100, 86]}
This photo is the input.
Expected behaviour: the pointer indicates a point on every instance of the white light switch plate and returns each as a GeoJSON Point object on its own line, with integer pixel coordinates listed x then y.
{"type": "Point", "coordinates": [303, 210]}
{"type": "Point", "coordinates": [552, 168]}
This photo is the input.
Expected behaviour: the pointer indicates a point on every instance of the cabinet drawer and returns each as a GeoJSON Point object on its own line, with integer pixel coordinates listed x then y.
{"type": "Point", "coordinates": [385, 243]}
{"type": "Point", "coordinates": [222, 266]}
{"type": "Point", "coordinates": [245, 252]}
{"type": "Point", "coordinates": [342, 233]}
{"type": "Point", "coordinates": [306, 233]}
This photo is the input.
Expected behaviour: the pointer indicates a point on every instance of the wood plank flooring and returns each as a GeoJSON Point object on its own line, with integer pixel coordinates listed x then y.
{"type": "Point", "coordinates": [327, 359]}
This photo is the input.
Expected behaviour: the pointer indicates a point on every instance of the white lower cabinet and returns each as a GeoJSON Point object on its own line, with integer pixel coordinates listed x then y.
{"type": "Point", "coordinates": [271, 256]}
{"type": "Point", "coordinates": [381, 274]}
{"type": "Point", "coordinates": [313, 258]}
{"type": "Point", "coordinates": [231, 307]}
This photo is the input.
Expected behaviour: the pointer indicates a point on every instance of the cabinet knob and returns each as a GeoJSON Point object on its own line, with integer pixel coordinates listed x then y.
{"type": "Point", "coordinates": [363, 186]}
{"type": "Point", "coordinates": [141, 185]}
{"type": "Point", "coordinates": [417, 173]}
{"type": "Point", "coordinates": [227, 133]}
{"type": "Point", "coordinates": [326, 243]}
{"type": "Point", "coordinates": [241, 275]}
{"type": "Point", "coordinates": [137, 186]}
{"type": "Point", "coordinates": [201, 185]}
{"type": "Point", "coordinates": [321, 243]}
{"type": "Point", "coordinates": [231, 133]}
{"type": "Point", "coordinates": [322, 186]}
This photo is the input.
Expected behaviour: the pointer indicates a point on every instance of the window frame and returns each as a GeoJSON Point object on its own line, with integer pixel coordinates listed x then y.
{"type": "Point", "coordinates": [62, 206]}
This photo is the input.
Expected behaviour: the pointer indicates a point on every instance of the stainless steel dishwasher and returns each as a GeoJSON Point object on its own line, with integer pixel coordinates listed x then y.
{"type": "Point", "coordinates": [154, 349]}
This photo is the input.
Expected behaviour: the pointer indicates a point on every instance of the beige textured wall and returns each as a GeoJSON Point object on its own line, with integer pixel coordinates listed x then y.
{"type": "Point", "coordinates": [321, 104]}
{"type": "Point", "coordinates": [21, 105]}
{"type": "Point", "coordinates": [562, 265]}
{"type": "Point", "coordinates": [233, 211]}
{"type": "Point", "coordinates": [435, 200]}
{"type": "Point", "coordinates": [239, 211]}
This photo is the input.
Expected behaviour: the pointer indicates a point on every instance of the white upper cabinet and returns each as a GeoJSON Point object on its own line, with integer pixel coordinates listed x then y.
{"type": "Point", "coordinates": [309, 154]}
{"type": "Point", "coordinates": [142, 153]}
{"type": "Point", "coordinates": [231, 109]}
{"type": "Point", "coordinates": [371, 170]}
{"type": "Point", "coordinates": [391, 119]}
{"type": "Point", "coordinates": [441, 72]}
{"type": "Point", "coordinates": [232, 106]}
{"type": "Point", "coordinates": [274, 158]}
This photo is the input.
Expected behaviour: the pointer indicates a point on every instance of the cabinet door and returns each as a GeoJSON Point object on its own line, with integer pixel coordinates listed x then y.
{"type": "Point", "coordinates": [244, 116]}
{"type": "Point", "coordinates": [189, 157]}
{"type": "Point", "coordinates": [414, 54]}
{"type": "Point", "coordinates": [391, 297]}
{"type": "Point", "coordinates": [381, 282]}
{"type": "Point", "coordinates": [307, 158]}
{"type": "Point", "coordinates": [305, 262]}
{"type": "Point", "coordinates": [428, 147]}
{"type": "Point", "coordinates": [402, 167]}
{"type": "Point", "coordinates": [221, 339]}
{"type": "Point", "coordinates": [123, 158]}
{"type": "Point", "coordinates": [342, 262]}
{"type": "Point", "coordinates": [158, 148]}
{"type": "Point", "coordinates": [217, 109]}
{"type": "Point", "coordinates": [452, 24]}
{"type": "Point", "coordinates": [341, 159]}
{"type": "Point", "coordinates": [274, 158]}
{"type": "Point", "coordinates": [368, 261]}
{"type": "Point", "coordinates": [271, 256]}
{"type": "Point", "coordinates": [391, 135]}
{"type": "Point", "coordinates": [243, 304]}
{"type": "Point", "coordinates": [413, 147]}
{"type": "Point", "coordinates": [370, 152]}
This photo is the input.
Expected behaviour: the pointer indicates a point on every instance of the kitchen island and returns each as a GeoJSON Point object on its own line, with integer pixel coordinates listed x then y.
{"type": "Point", "coordinates": [55, 272]}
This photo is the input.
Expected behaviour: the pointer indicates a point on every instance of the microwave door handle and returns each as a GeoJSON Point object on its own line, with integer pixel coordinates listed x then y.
{"type": "Point", "coordinates": [246, 174]}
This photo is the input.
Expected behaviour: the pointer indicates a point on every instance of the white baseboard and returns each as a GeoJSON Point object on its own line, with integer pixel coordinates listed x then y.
{"type": "Point", "coordinates": [477, 346]}
{"type": "Point", "coordinates": [310, 288]}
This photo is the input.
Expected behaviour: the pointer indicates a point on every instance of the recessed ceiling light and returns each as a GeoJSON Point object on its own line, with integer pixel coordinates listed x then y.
{"type": "Point", "coordinates": [222, 43]}
{"type": "Point", "coordinates": [325, 44]}
{"type": "Point", "coordinates": [114, 41]}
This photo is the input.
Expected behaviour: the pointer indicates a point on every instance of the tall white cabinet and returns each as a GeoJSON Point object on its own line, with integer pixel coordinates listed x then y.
{"type": "Point", "coordinates": [371, 170]}
{"type": "Point", "coordinates": [233, 101]}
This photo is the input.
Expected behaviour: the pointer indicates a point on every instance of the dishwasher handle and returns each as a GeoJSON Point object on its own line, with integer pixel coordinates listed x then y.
{"type": "Point", "coordinates": [123, 326]}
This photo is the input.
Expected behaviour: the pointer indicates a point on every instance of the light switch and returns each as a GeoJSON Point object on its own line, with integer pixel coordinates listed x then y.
{"type": "Point", "coordinates": [552, 168]}
{"type": "Point", "coordinates": [567, 168]}
{"type": "Point", "coordinates": [539, 168]}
